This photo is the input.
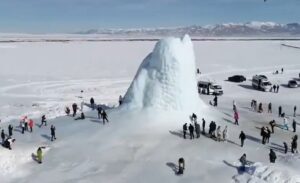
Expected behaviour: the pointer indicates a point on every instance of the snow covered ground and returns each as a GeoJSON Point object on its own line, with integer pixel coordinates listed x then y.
{"type": "Point", "coordinates": [41, 78]}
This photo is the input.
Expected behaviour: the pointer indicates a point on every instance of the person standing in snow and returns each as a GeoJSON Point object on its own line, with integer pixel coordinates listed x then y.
{"type": "Point", "coordinates": [219, 133]}
{"type": "Point", "coordinates": [92, 102]}
{"type": "Point", "coordinates": [285, 147]}
{"type": "Point", "coordinates": [270, 108]}
{"type": "Point", "coordinates": [39, 154]}
{"type": "Point", "coordinates": [23, 127]}
{"type": "Point", "coordinates": [43, 121]}
{"type": "Point", "coordinates": [104, 116]}
{"type": "Point", "coordinates": [67, 110]}
{"type": "Point", "coordinates": [194, 118]}
{"type": "Point", "coordinates": [81, 106]}
{"type": "Point", "coordinates": [268, 135]}
{"type": "Point", "coordinates": [191, 129]}
{"type": "Point", "coordinates": [184, 130]}
{"type": "Point", "coordinates": [31, 123]}
{"type": "Point", "coordinates": [216, 101]}
{"type": "Point", "coordinates": [2, 136]}
{"type": "Point", "coordinates": [285, 123]}
{"type": "Point", "coordinates": [203, 125]}
{"type": "Point", "coordinates": [295, 109]}
{"type": "Point", "coordinates": [272, 124]}
{"type": "Point", "coordinates": [26, 124]}
{"type": "Point", "coordinates": [294, 144]}
{"type": "Point", "coordinates": [52, 129]}
{"type": "Point", "coordinates": [243, 160]}
{"type": "Point", "coordinates": [260, 108]}
{"type": "Point", "coordinates": [277, 88]}
{"type": "Point", "coordinates": [181, 166]}
{"type": "Point", "coordinates": [242, 137]}
{"type": "Point", "coordinates": [197, 130]}
{"type": "Point", "coordinates": [279, 111]}
{"type": "Point", "coordinates": [10, 130]}
{"type": "Point", "coordinates": [274, 88]}
{"type": "Point", "coordinates": [294, 125]}
{"type": "Point", "coordinates": [272, 156]}
{"type": "Point", "coordinates": [120, 100]}
{"type": "Point", "coordinates": [236, 118]}
{"type": "Point", "coordinates": [234, 105]}
{"type": "Point", "coordinates": [99, 110]}
{"type": "Point", "coordinates": [74, 107]}
{"type": "Point", "coordinates": [225, 134]}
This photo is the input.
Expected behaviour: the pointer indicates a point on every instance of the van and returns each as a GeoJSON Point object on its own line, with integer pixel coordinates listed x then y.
{"type": "Point", "coordinates": [261, 82]}
{"type": "Point", "coordinates": [209, 88]}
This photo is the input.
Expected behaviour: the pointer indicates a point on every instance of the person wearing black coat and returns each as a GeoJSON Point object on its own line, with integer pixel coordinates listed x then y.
{"type": "Point", "coordinates": [74, 107]}
{"type": "Point", "coordinates": [10, 130]}
{"type": "Point", "coordinates": [279, 111]}
{"type": "Point", "coordinates": [191, 129]}
{"type": "Point", "coordinates": [203, 125]}
{"type": "Point", "coordinates": [285, 147]}
{"type": "Point", "coordinates": [294, 144]}
{"type": "Point", "coordinates": [242, 137]}
{"type": "Point", "coordinates": [294, 124]}
{"type": "Point", "coordinates": [104, 116]}
{"type": "Point", "coordinates": [272, 156]}
{"type": "Point", "coordinates": [2, 136]}
{"type": "Point", "coordinates": [268, 135]}
{"type": "Point", "coordinates": [92, 102]}
{"type": "Point", "coordinates": [216, 101]}
{"type": "Point", "coordinates": [184, 130]}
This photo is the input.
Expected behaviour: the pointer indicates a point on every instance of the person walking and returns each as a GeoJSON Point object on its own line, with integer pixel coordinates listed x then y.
{"type": "Point", "coordinates": [67, 111]}
{"type": "Point", "coordinates": [184, 130]}
{"type": "Point", "coordinates": [295, 109]}
{"type": "Point", "coordinates": [120, 100]}
{"type": "Point", "coordinates": [272, 156]}
{"type": "Point", "coordinates": [191, 129]}
{"type": "Point", "coordinates": [285, 123]}
{"type": "Point", "coordinates": [104, 116]}
{"type": "Point", "coordinates": [242, 137]}
{"type": "Point", "coordinates": [225, 134]}
{"type": "Point", "coordinates": [263, 134]}
{"type": "Point", "coordinates": [294, 125]}
{"type": "Point", "coordinates": [99, 110]}
{"type": "Point", "coordinates": [236, 118]}
{"type": "Point", "coordinates": [10, 130]}
{"type": "Point", "coordinates": [53, 129]}
{"type": "Point", "coordinates": [43, 121]}
{"type": "Point", "coordinates": [39, 154]}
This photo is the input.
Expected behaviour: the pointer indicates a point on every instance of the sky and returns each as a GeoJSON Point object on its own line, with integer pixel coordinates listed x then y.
{"type": "Point", "coordinates": [67, 16]}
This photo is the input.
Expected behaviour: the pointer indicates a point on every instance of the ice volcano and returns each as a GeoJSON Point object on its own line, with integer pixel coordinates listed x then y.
{"type": "Point", "coordinates": [166, 79]}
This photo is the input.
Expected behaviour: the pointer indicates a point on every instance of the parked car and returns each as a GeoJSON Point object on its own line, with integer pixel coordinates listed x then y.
{"type": "Point", "coordinates": [209, 88]}
{"type": "Point", "coordinates": [261, 82]}
{"type": "Point", "coordinates": [237, 78]}
{"type": "Point", "coordinates": [292, 84]}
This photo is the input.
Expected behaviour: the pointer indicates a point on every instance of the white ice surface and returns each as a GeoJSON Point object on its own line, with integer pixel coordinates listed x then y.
{"type": "Point", "coordinates": [136, 147]}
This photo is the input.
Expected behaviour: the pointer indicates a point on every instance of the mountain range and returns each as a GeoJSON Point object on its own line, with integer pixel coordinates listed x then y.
{"type": "Point", "coordinates": [226, 29]}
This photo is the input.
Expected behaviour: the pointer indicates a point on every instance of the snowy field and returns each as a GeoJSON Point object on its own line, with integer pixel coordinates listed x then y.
{"type": "Point", "coordinates": [42, 78]}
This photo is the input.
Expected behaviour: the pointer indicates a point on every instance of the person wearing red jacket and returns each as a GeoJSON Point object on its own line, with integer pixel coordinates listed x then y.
{"type": "Point", "coordinates": [30, 124]}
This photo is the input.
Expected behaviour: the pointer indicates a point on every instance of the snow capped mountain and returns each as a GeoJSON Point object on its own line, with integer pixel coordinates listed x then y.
{"type": "Point", "coordinates": [253, 28]}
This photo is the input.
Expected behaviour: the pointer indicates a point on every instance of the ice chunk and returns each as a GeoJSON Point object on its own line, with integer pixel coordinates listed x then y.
{"type": "Point", "coordinates": [166, 79]}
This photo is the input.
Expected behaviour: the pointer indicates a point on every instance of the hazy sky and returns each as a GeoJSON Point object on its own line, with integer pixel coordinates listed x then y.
{"type": "Point", "coordinates": [38, 16]}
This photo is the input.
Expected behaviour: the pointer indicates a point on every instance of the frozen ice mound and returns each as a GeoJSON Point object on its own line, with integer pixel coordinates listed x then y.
{"type": "Point", "coordinates": [166, 79]}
